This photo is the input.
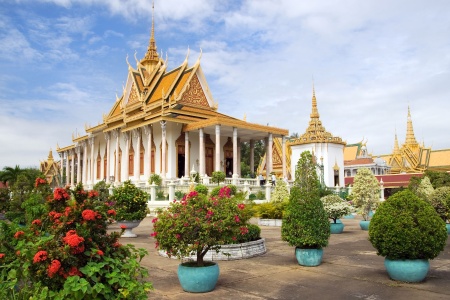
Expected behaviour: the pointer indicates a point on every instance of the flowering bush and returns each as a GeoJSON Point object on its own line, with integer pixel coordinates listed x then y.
{"type": "Point", "coordinates": [365, 194]}
{"type": "Point", "coordinates": [335, 207]}
{"type": "Point", "coordinates": [129, 202]}
{"type": "Point", "coordinates": [197, 224]}
{"type": "Point", "coordinates": [68, 253]}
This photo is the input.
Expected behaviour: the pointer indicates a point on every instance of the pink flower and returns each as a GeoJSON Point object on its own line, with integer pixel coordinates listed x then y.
{"type": "Point", "coordinates": [241, 205]}
{"type": "Point", "coordinates": [155, 220]}
{"type": "Point", "coordinates": [236, 218]}
{"type": "Point", "coordinates": [178, 236]}
{"type": "Point", "coordinates": [154, 234]}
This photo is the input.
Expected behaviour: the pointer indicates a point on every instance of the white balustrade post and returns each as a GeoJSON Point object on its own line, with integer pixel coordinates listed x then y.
{"type": "Point", "coordinates": [171, 186]}
{"type": "Point", "coordinates": [246, 189]}
{"type": "Point", "coordinates": [268, 190]}
{"type": "Point", "coordinates": [153, 192]}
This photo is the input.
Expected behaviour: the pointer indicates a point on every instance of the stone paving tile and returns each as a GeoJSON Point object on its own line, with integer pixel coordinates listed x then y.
{"type": "Point", "coordinates": [350, 270]}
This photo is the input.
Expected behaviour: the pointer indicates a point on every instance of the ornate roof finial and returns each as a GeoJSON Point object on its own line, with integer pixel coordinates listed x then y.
{"type": "Point", "coordinates": [410, 138]}
{"type": "Point", "coordinates": [315, 111]}
{"type": "Point", "coordinates": [396, 147]}
{"type": "Point", "coordinates": [151, 58]}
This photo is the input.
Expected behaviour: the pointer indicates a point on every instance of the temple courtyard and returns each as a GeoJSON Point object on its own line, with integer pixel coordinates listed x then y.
{"type": "Point", "coordinates": [350, 270]}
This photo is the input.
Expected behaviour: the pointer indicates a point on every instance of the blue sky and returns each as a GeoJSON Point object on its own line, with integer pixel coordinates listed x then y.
{"type": "Point", "coordinates": [62, 62]}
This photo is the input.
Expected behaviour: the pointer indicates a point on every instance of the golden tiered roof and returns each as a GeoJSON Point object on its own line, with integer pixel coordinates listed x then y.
{"type": "Point", "coordinates": [51, 169]}
{"type": "Point", "coordinates": [316, 133]}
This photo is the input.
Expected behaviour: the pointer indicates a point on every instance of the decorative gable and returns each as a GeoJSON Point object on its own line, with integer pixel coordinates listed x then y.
{"type": "Point", "coordinates": [194, 95]}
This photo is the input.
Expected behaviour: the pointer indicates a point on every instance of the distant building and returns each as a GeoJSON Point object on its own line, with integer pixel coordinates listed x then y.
{"type": "Point", "coordinates": [52, 170]}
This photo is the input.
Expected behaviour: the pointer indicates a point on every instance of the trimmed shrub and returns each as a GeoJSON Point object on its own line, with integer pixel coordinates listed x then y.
{"type": "Point", "coordinates": [440, 200]}
{"type": "Point", "coordinates": [253, 234]}
{"type": "Point", "coordinates": [201, 189]}
{"type": "Point", "coordinates": [270, 210]}
{"type": "Point", "coordinates": [407, 227]}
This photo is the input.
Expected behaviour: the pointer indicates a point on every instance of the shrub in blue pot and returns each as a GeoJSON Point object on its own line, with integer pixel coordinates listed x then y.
{"type": "Point", "coordinates": [407, 231]}
{"type": "Point", "coordinates": [336, 208]}
{"type": "Point", "coordinates": [305, 221]}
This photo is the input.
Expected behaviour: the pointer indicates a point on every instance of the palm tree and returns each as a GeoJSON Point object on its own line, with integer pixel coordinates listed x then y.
{"type": "Point", "coordinates": [10, 174]}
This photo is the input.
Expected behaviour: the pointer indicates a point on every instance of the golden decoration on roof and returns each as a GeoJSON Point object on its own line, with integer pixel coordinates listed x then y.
{"type": "Point", "coordinates": [316, 133]}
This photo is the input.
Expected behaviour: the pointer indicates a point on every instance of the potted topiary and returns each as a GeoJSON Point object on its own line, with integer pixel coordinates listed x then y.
{"type": "Point", "coordinates": [305, 222]}
{"type": "Point", "coordinates": [440, 200]}
{"type": "Point", "coordinates": [336, 208]}
{"type": "Point", "coordinates": [365, 195]}
{"type": "Point", "coordinates": [407, 232]}
{"type": "Point", "coordinates": [218, 177]}
{"type": "Point", "coordinates": [195, 225]}
{"type": "Point", "coordinates": [130, 204]}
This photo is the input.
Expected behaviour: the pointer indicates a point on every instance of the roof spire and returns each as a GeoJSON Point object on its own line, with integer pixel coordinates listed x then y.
{"type": "Point", "coordinates": [410, 138]}
{"type": "Point", "coordinates": [315, 111]}
{"type": "Point", "coordinates": [396, 147]}
{"type": "Point", "coordinates": [151, 58]}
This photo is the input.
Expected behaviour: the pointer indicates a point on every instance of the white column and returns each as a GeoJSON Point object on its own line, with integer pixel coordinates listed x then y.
{"type": "Point", "coordinates": [108, 156]}
{"type": "Point", "coordinates": [148, 152]}
{"type": "Point", "coordinates": [186, 154]}
{"type": "Point", "coordinates": [85, 165]}
{"type": "Point", "coordinates": [91, 144]}
{"type": "Point", "coordinates": [125, 157]}
{"type": "Point", "coordinates": [137, 166]}
{"type": "Point", "coordinates": [201, 152]}
{"type": "Point", "coordinates": [270, 152]}
{"type": "Point", "coordinates": [239, 156]}
{"type": "Point", "coordinates": [66, 153]}
{"type": "Point", "coordinates": [252, 156]}
{"type": "Point", "coordinates": [72, 169]}
{"type": "Point", "coordinates": [78, 149]}
{"type": "Point", "coordinates": [266, 142]}
{"type": "Point", "coordinates": [217, 148]}
{"type": "Point", "coordinates": [163, 149]}
{"type": "Point", "coordinates": [116, 167]}
{"type": "Point", "coordinates": [235, 153]}
{"type": "Point", "coordinates": [283, 151]}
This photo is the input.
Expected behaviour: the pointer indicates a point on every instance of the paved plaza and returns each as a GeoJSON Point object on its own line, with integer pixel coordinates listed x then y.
{"type": "Point", "coordinates": [350, 270]}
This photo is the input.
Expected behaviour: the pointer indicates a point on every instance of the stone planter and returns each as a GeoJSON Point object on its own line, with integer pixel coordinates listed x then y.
{"type": "Point", "coordinates": [309, 257]}
{"type": "Point", "coordinates": [129, 225]}
{"type": "Point", "coordinates": [195, 279]}
{"type": "Point", "coordinates": [232, 251]}
{"type": "Point", "coordinates": [336, 228]}
{"type": "Point", "coordinates": [407, 270]}
{"type": "Point", "coordinates": [270, 222]}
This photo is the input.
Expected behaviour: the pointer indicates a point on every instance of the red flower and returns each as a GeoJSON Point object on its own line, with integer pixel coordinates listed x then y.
{"type": "Point", "coordinates": [18, 252]}
{"type": "Point", "coordinates": [2, 255]}
{"type": "Point", "coordinates": [244, 230]}
{"type": "Point", "coordinates": [60, 194]}
{"type": "Point", "coordinates": [74, 272]}
{"type": "Point", "coordinates": [225, 192]}
{"type": "Point", "coordinates": [100, 252]}
{"type": "Point", "coordinates": [67, 211]}
{"type": "Point", "coordinates": [155, 220]}
{"type": "Point", "coordinates": [123, 226]}
{"type": "Point", "coordinates": [241, 205]}
{"type": "Point", "coordinates": [88, 215]}
{"type": "Point", "coordinates": [37, 222]}
{"type": "Point", "coordinates": [40, 256]}
{"type": "Point", "coordinates": [53, 268]}
{"type": "Point", "coordinates": [74, 241]}
{"type": "Point", "coordinates": [117, 244]}
{"type": "Point", "coordinates": [18, 234]}
{"type": "Point", "coordinates": [111, 212]}
{"type": "Point", "coordinates": [92, 194]}
{"type": "Point", "coordinates": [236, 218]}
{"type": "Point", "coordinates": [39, 181]}
{"type": "Point", "coordinates": [54, 216]}
{"type": "Point", "coordinates": [154, 234]}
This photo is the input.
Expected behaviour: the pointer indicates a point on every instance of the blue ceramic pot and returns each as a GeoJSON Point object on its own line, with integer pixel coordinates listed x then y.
{"type": "Point", "coordinates": [309, 257]}
{"type": "Point", "coordinates": [407, 270]}
{"type": "Point", "coordinates": [336, 228]}
{"type": "Point", "coordinates": [364, 224]}
{"type": "Point", "coordinates": [448, 228]}
{"type": "Point", "coordinates": [198, 279]}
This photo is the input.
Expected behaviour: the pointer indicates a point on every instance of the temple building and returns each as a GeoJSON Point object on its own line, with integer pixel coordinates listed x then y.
{"type": "Point", "coordinates": [327, 149]}
{"type": "Point", "coordinates": [51, 170]}
{"type": "Point", "coordinates": [165, 122]}
{"type": "Point", "coordinates": [356, 156]}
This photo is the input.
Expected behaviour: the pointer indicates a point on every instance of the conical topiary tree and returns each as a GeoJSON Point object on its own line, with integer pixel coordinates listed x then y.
{"type": "Point", "coordinates": [425, 189]}
{"type": "Point", "coordinates": [305, 222]}
{"type": "Point", "coordinates": [365, 192]}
